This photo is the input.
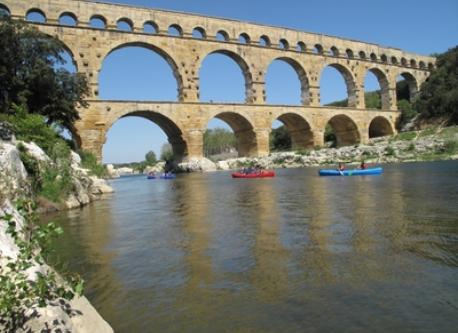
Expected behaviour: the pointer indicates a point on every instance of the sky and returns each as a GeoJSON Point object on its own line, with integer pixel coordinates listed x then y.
{"type": "Point", "coordinates": [419, 26]}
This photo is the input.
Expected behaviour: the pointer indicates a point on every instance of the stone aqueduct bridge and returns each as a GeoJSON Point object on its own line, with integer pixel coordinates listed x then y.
{"type": "Point", "coordinates": [253, 47]}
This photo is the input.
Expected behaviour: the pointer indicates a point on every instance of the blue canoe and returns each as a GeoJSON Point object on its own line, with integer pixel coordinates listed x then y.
{"type": "Point", "coordinates": [162, 176]}
{"type": "Point", "coordinates": [352, 172]}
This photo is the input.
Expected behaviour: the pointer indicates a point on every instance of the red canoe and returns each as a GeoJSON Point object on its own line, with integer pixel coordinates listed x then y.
{"type": "Point", "coordinates": [256, 174]}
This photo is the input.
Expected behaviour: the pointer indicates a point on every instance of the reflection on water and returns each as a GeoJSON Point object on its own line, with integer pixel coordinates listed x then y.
{"type": "Point", "coordinates": [208, 253]}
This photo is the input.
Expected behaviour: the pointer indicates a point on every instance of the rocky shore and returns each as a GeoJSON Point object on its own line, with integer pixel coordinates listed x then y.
{"type": "Point", "coordinates": [76, 315]}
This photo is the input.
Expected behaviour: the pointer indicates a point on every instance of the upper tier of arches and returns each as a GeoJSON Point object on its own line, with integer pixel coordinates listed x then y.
{"type": "Point", "coordinates": [139, 20]}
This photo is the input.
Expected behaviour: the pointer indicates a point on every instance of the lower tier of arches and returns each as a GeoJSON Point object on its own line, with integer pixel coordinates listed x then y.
{"type": "Point", "coordinates": [185, 123]}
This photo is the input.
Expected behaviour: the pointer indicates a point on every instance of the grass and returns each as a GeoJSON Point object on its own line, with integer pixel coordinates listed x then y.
{"type": "Point", "coordinates": [405, 136]}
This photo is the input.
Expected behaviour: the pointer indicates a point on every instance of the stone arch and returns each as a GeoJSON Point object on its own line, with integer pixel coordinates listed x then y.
{"type": "Point", "coordinates": [128, 22]}
{"type": "Point", "coordinates": [362, 55]}
{"type": "Point", "coordinates": [350, 54]}
{"type": "Point", "coordinates": [173, 65]}
{"type": "Point", "coordinates": [373, 56]}
{"type": "Point", "coordinates": [422, 64]}
{"type": "Point", "coordinates": [170, 128]}
{"type": "Point", "coordinates": [199, 33]}
{"type": "Point", "coordinates": [349, 82]}
{"type": "Point", "coordinates": [345, 130]}
{"type": "Point", "coordinates": [302, 76]}
{"type": "Point", "coordinates": [243, 66]}
{"type": "Point", "coordinates": [244, 38]}
{"type": "Point", "coordinates": [245, 136]}
{"type": "Point", "coordinates": [394, 60]}
{"type": "Point", "coordinates": [301, 47]}
{"type": "Point", "coordinates": [334, 51]}
{"type": "Point", "coordinates": [38, 11]}
{"type": "Point", "coordinates": [430, 66]}
{"type": "Point", "coordinates": [403, 61]}
{"type": "Point", "coordinates": [298, 129]}
{"type": "Point", "coordinates": [384, 86]}
{"type": "Point", "coordinates": [413, 63]}
{"type": "Point", "coordinates": [93, 21]}
{"type": "Point", "coordinates": [222, 36]}
{"type": "Point", "coordinates": [70, 15]}
{"type": "Point", "coordinates": [412, 84]}
{"type": "Point", "coordinates": [283, 44]}
{"type": "Point", "coordinates": [150, 27]}
{"type": "Point", "coordinates": [4, 11]}
{"type": "Point", "coordinates": [264, 41]}
{"type": "Point", "coordinates": [175, 30]}
{"type": "Point", "coordinates": [380, 126]}
{"type": "Point", "coordinates": [318, 49]}
{"type": "Point", "coordinates": [384, 58]}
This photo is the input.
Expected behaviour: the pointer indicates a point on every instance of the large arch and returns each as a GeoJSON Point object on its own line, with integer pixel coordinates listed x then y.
{"type": "Point", "coordinates": [242, 65]}
{"type": "Point", "coordinates": [245, 136]}
{"type": "Point", "coordinates": [298, 129]}
{"type": "Point", "coordinates": [4, 11]}
{"type": "Point", "coordinates": [380, 126]}
{"type": "Point", "coordinates": [171, 129]}
{"type": "Point", "coordinates": [345, 130]}
{"type": "Point", "coordinates": [301, 75]}
{"type": "Point", "coordinates": [349, 82]}
{"type": "Point", "coordinates": [384, 87]}
{"type": "Point", "coordinates": [164, 55]}
{"type": "Point", "coordinates": [412, 85]}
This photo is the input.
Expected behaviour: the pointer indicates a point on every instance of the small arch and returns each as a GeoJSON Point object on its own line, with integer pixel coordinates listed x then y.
{"type": "Point", "coordinates": [380, 126]}
{"type": "Point", "coordinates": [4, 11]}
{"type": "Point", "coordinates": [335, 51]}
{"type": "Point", "coordinates": [175, 30]}
{"type": "Point", "coordinates": [350, 54]}
{"type": "Point", "coordinates": [98, 22]}
{"type": "Point", "coordinates": [68, 18]}
{"type": "Point", "coordinates": [222, 36]}
{"type": "Point", "coordinates": [403, 61]}
{"type": "Point", "coordinates": [150, 27]}
{"type": "Point", "coordinates": [245, 136]}
{"type": "Point", "coordinates": [283, 44]}
{"type": "Point", "coordinates": [413, 63]}
{"type": "Point", "coordinates": [318, 49]}
{"type": "Point", "coordinates": [373, 57]}
{"type": "Point", "coordinates": [125, 24]}
{"type": "Point", "coordinates": [264, 41]}
{"type": "Point", "coordinates": [384, 58]}
{"type": "Point", "coordinates": [362, 55]}
{"type": "Point", "coordinates": [394, 60]}
{"type": "Point", "coordinates": [199, 33]}
{"type": "Point", "coordinates": [345, 130]}
{"type": "Point", "coordinates": [301, 47]}
{"type": "Point", "coordinates": [35, 15]}
{"type": "Point", "coordinates": [422, 64]}
{"type": "Point", "coordinates": [430, 66]}
{"type": "Point", "coordinates": [244, 38]}
{"type": "Point", "coordinates": [299, 131]}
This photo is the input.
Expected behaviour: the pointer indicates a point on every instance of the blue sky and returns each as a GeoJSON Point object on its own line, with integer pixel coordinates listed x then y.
{"type": "Point", "coordinates": [422, 27]}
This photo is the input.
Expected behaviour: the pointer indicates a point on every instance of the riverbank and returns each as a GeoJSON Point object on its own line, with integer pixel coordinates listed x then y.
{"type": "Point", "coordinates": [432, 144]}
{"type": "Point", "coordinates": [34, 297]}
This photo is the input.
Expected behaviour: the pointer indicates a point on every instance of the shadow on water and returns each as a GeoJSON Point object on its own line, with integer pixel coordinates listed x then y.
{"type": "Point", "coordinates": [208, 253]}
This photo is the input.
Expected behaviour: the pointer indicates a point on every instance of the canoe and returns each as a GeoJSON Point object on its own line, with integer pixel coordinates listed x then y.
{"type": "Point", "coordinates": [257, 174]}
{"type": "Point", "coordinates": [352, 172]}
{"type": "Point", "coordinates": [162, 176]}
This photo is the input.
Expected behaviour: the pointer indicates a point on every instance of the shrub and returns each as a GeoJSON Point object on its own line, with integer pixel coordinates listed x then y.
{"type": "Point", "coordinates": [406, 136]}
{"type": "Point", "coordinates": [450, 146]}
{"type": "Point", "coordinates": [89, 161]}
{"type": "Point", "coordinates": [389, 151]}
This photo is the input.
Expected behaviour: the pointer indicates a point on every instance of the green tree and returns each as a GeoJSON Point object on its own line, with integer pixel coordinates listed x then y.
{"type": "Point", "coordinates": [438, 95]}
{"type": "Point", "coordinates": [218, 141]}
{"type": "Point", "coordinates": [167, 152]}
{"type": "Point", "coordinates": [29, 75]}
{"type": "Point", "coordinates": [150, 158]}
{"type": "Point", "coordinates": [280, 139]}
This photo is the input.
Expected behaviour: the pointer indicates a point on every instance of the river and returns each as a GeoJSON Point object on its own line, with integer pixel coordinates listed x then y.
{"type": "Point", "coordinates": [295, 253]}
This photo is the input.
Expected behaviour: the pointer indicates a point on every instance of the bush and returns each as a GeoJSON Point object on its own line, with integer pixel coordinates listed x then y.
{"type": "Point", "coordinates": [450, 146]}
{"type": "Point", "coordinates": [406, 136]}
{"type": "Point", "coordinates": [389, 151]}
{"type": "Point", "coordinates": [89, 161]}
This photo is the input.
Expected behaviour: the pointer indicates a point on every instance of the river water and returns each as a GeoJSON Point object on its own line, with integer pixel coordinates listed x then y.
{"type": "Point", "coordinates": [296, 253]}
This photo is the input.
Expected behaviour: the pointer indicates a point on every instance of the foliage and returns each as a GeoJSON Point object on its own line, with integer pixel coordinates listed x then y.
{"type": "Point", "coordinates": [438, 96]}
{"type": "Point", "coordinates": [17, 292]}
{"type": "Point", "coordinates": [329, 135]}
{"type": "Point", "coordinates": [150, 158]}
{"type": "Point", "coordinates": [407, 112]}
{"type": "Point", "coordinates": [89, 161]}
{"type": "Point", "coordinates": [218, 141]}
{"type": "Point", "coordinates": [167, 152]}
{"type": "Point", "coordinates": [406, 136]}
{"type": "Point", "coordinates": [373, 100]}
{"type": "Point", "coordinates": [450, 146]}
{"type": "Point", "coordinates": [280, 139]}
{"type": "Point", "coordinates": [389, 151]}
{"type": "Point", "coordinates": [29, 75]}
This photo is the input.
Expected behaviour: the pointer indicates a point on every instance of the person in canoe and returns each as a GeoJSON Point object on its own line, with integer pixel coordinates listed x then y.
{"type": "Point", "coordinates": [341, 166]}
{"type": "Point", "coordinates": [363, 165]}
